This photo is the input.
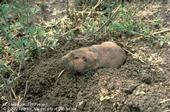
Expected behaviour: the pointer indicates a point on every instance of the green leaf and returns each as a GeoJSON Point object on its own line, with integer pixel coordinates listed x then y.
{"type": "Point", "coordinates": [1, 49]}
{"type": "Point", "coordinates": [5, 8]}
{"type": "Point", "coordinates": [17, 25]}
{"type": "Point", "coordinates": [35, 10]}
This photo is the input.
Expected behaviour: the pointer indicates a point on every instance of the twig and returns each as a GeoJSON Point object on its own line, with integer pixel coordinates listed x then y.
{"type": "Point", "coordinates": [138, 38]}
{"type": "Point", "coordinates": [167, 100]}
{"type": "Point", "coordinates": [68, 32]}
{"type": "Point", "coordinates": [15, 108]}
{"type": "Point", "coordinates": [89, 12]}
{"type": "Point", "coordinates": [10, 95]}
{"type": "Point", "coordinates": [13, 93]}
{"type": "Point", "coordinates": [67, 10]}
{"type": "Point", "coordinates": [166, 111]}
{"type": "Point", "coordinates": [26, 88]}
{"type": "Point", "coordinates": [19, 101]}
{"type": "Point", "coordinates": [134, 55]}
{"type": "Point", "coordinates": [19, 70]}
{"type": "Point", "coordinates": [151, 35]}
{"type": "Point", "coordinates": [60, 74]}
{"type": "Point", "coordinates": [162, 31]}
{"type": "Point", "coordinates": [128, 51]}
{"type": "Point", "coordinates": [98, 3]}
{"type": "Point", "coordinates": [80, 39]}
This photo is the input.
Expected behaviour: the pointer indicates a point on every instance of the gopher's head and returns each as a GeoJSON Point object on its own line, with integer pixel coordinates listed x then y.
{"type": "Point", "coordinates": [80, 60]}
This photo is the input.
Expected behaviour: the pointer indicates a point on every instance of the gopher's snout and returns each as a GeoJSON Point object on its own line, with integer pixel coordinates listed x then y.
{"type": "Point", "coordinates": [78, 65]}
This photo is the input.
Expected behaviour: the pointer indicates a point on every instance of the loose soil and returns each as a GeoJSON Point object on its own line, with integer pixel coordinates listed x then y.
{"type": "Point", "coordinates": [135, 87]}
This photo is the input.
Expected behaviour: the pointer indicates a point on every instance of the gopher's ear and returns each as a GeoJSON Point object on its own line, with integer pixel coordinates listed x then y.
{"type": "Point", "coordinates": [67, 56]}
{"type": "Point", "coordinates": [72, 54]}
{"type": "Point", "coordinates": [63, 59]}
{"type": "Point", "coordinates": [91, 56]}
{"type": "Point", "coordinates": [92, 53]}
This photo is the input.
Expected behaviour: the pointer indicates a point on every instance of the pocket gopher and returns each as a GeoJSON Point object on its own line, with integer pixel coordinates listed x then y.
{"type": "Point", "coordinates": [106, 54]}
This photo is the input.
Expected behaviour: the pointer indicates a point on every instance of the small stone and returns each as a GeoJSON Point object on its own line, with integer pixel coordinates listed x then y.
{"type": "Point", "coordinates": [81, 104]}
{"type": "Point", "coordinates": [130, 88]}
{"type": "Point", "coordinates": [111, 86]}
{"type": "Point", "coordinates": [146, 79]}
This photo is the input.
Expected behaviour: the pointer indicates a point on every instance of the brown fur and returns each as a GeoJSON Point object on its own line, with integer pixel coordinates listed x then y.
{"type": "Point", "coordinates": [107, 54]}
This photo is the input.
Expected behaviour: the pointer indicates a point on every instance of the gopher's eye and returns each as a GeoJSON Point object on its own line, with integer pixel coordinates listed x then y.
{"type": "Point", "coordinates": [76, 57]}
{"type": "Point", "coordinates": [84, 58]}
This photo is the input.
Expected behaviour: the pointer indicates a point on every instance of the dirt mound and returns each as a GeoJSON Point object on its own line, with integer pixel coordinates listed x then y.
{"type": "Point", "coordinates": [135, 87]}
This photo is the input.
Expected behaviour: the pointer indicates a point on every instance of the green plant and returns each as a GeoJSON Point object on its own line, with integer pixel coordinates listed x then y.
{"type": "Point", "coordinates": [16, 36]}
{"type": "Point", "coordinates": [165, 39]}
